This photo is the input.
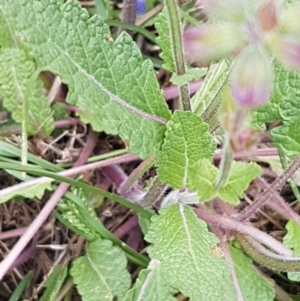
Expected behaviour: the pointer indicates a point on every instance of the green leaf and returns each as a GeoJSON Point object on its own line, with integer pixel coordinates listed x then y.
{"type": "Point", "coordinates": [291, 240]}
{"type": "Point", "coordinates": [240, 176]}
{"type": "Point", "coordinates": [54, 283]}
{"type": "Point", "coordinates": [191, 75]}
{"type": "Point", "coordinates": [253, 286]}
{"type": "Point", "coordinates": [108, 80]}
{"type": "Point", "coordinates": [59, 111]}
{"type": "Point", "coordinates": [16, 71]}
{"type": "Point", "coordinates": [71, 212]}
{"type": "Point", "coordinates": [187, 140]}
{"type": "Point", "coordinates": [203, 175]}
{"type": "Point", "coordinates": [287, 137]}
{"type": "Point", "coordinates": [206, 101]}
{"type": "Point", "coordinates": [144, 223]}
{"type": "Point", "coordinates": [28, 191]}
{"type": "Point", "coordinates": [164, 41]}
{"type": "Point", "coordinates": [183, 245]}
{"type": "Point", "coordinates": [285, 87]}
{"type": "Point", "coordinates": [101, 274]}
{"type": "Point", "coordinates": [21, 287]}
{"type": "Point", "coordinates": [151, 285]}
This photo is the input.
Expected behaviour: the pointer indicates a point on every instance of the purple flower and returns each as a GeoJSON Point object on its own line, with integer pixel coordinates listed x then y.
{"type": "Point", "coordinates": [254, 31]}
{"type": "Point", "coordinates": [203, 43]}
{"type": "Point", "coordinates": [140, 6]}
{"type": "Point", "coordinates": [251, 78]}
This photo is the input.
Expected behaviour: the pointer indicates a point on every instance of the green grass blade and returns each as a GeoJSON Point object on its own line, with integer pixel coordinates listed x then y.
{"type": "Point", "coordinates": [21, 287]}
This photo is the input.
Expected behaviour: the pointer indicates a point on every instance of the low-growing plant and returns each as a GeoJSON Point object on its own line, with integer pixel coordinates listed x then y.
{"type": "Point", "coordinates": [200, 244]}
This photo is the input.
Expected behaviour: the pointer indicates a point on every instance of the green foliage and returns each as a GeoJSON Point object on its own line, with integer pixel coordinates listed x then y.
{"type": "Point", "coordinates": [291, 240]}
{"type": "Point", "coordinates": [187, 140]}
{"type": "Point", "coordinates": [252, 285]}
{"type": "Point", "coordinates": [151, 285]}
{"type": "Point", "coordinates": [203, 175]}
{"type": "Point", "coordinates": [28, 191]}
{"type": "Point", "coordinates": [101, 274]}
{"type": "Point", "coordinates": [206, 101]}
{"type": "Point", "coordinates": [183, 245]}
{"type": "Point", "coordinates": [21, 287]}
{"type": "Point", "coordinates": [164, 41]}
{"type": "Point", "coordinates": [116, 90]}
{"type": "Point", "coordinates": [15, 81]}
{"type": "Point", "coordinates": [283, 106]}
{"type": "Point", "coordinates": [70, 212]}
{"type": "Point", "coordinates": [54, 282]}
{"type": "Point", "coordinates": [191, 75]}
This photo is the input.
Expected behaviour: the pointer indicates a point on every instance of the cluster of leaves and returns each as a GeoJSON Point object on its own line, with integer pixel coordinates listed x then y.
{"type": "Point", "coordinates": [117, 92]}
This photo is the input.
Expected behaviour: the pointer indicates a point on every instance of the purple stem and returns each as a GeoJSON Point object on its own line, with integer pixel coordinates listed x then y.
{"type": "Point", "coordinates": [24, 256]}
{"type": "Point", "coordinates": [261, 152]}
{"type": "Point", "coordinates": [228, 223]}
{"type": "Point", "coordinates": [128, 14]}
{"type": "Point", "coordinates": [12, 233]}
{"type": "Point", "coordinates": [267, 194]}
{"type": "Point", "coordinates": [117, 176]}
{"type": "Point", "coordinates": [292, 214]}
{"type": "Point", "coordinates": [45, 212]}
{"type": "Point", "coordinates": [134, 238]}
{"type": "Point", "coordinates": [66, 122]}
{"type": "Point", "coordinates": [126, 227]}
{"type": "Point", "coordinates": [172, 91]}
{"type": "Point", "coordinates": [73, 172]}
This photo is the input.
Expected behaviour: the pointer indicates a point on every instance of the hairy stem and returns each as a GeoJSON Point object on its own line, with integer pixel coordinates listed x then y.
{"type": "Point", "coordinates": [225, 164]}
{"type": "Point", "coordinates": [265, 257]}
{"type": "Point", "coordinates": [177, 50]}
{"type": "Point", "coordinates": [292, 214]}
{"type": "Point", "coordinates": [138, 172]}
{"type": "Point", "coordinates": [266, 195]}
{"type": "Point", "coordinates": [155, 191]}
{"type": "Point", "coordinates": [291, 180]}
{"type": "Point", "coordinates": [128, 14]}
{"type": "Point", "coordinates": [230, 224]}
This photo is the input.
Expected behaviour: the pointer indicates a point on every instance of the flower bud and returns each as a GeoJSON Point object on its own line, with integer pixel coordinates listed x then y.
{"type": "Point", "coordinates": [286, 50]}
{"type": "Point", "coordinates": [230, 10]}
{"type": "Point", "coordinates": [290, 20]}
{"type": "Point", "coordinates": [267, 16]}
{"type": "Point", "coordinates": [211, 41]}
{"type": "Point", "coordinates": [252, 78]}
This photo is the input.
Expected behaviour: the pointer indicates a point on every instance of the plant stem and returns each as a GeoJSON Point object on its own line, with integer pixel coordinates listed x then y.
{"type": "Point", "coordinates": [66, 122]}
{"type": "Point", "coordinates": [225, 164]}
{"type": "Point", "coordinates": [266, 195]}
{"type": "Point", "coordinates": [138, 172]}
{"type": "Point", "coordinates": [130, 26]}
{"type": "Point", "coordinates": [292, 214]}
{"type": "Point", "coordinates": [177, 50]}
{"type": "Point", "coordinates": [45, 212]}
{"type": "Point", "coordinates": [156, 190]}
{"type": "Point", "coordinates": [128, 14]}
{"type": "Point", "coordinates": [291, 180]}
{"type": "Point", "coordinates": [265, 257]}
{"type": "Point", "coordinates": [228, 223]}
